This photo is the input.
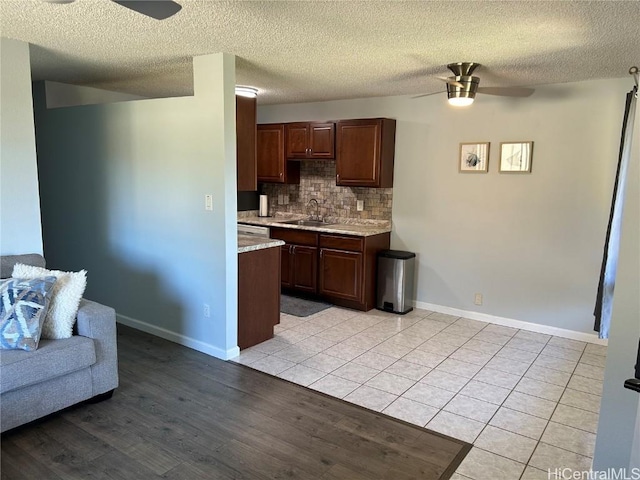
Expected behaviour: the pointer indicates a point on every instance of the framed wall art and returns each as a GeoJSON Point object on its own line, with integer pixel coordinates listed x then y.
{"type": "Point", "coordinates": [515, 157]}
{"type": "Point", "coordinates": [474, 158]}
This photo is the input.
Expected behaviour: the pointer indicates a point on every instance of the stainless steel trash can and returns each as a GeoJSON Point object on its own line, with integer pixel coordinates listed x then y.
{"type": "Point", "coordinates": [395, 281]}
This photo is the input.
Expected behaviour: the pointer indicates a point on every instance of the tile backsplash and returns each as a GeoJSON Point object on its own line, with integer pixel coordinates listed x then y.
{"type": "Point", "coordinates": [318, 180]}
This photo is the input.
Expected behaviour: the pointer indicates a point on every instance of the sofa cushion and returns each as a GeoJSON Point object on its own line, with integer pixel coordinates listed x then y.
{"type": "Point", "coordinates": [8, 261]}
{"type": "Point", "coordinates": [67, 293]}
{"type": "Point", "coordinates": [52, 359]}
{"type": "Point", "coordinates": [23, 306]}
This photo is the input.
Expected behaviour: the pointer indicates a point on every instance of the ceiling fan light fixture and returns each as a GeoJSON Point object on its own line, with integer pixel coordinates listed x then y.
{"type": "Point", "coordinates": [460, 101]}
{"type": "Point", "coordinates": [244, 91]}
{"type": "Point", "coordinates": [461, 90]}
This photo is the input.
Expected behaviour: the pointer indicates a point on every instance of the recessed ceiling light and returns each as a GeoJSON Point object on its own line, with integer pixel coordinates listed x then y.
{"type": "Point", "coordinates": [245, 91]}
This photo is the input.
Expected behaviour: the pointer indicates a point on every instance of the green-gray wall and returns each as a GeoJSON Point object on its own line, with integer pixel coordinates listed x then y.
{"type": "Point", "coordinates": [123, 188]}
{"type": "Point", "coordinates": [20, 229]}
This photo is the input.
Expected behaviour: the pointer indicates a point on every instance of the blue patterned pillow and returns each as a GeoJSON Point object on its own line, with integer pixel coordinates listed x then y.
{"type": "Point", "coordinates": [23, 307]}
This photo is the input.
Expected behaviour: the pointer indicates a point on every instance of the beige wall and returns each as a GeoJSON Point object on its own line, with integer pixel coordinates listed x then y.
{"type": "Point", "coordinates": [20, 229]}
{"type": "Point", "coordinates": [531, 244]}
{"type": "Point", "coordinates": [66, 95]}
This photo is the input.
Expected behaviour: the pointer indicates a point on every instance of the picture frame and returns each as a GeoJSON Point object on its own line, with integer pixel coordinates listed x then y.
{"type": "Point", "coordinates": [474, 157]}
{"type": "Point", "coordinates": [516, 157]}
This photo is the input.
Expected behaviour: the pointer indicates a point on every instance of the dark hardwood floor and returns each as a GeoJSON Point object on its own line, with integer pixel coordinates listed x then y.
{"type": "Point", "coordinates": [180, 414]}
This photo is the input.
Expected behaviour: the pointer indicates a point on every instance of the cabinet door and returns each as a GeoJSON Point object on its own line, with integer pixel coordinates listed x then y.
{"type": "Point", "coordinates": [305, 269]}
{"type": "Point", "coordinates": [285, 266]}
{"type": "Point", "coordinates": [297, 135]}
{"type": "Point", "coordinates": [358, 153]}
{"type": "Point", "coordinates": [271, 153]}
{"type": "Point", "coordinates": [341, 274]}
{"type": "Point", "coordinates": [322, 140]}
{"type": "Point", "coordinates": [246, 144]}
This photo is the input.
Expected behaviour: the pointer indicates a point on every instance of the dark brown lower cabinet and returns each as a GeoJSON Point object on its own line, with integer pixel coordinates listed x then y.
{"type": "Point", "coordinates": [299, 267]}
{"type": "Point", "coordinates": [258, 295]}
{"type": "Point", "coordinates": [337, 268]}
{"type": "Point", "coordinates": [286, 279]}
{"type": "Point", "coordinates": [341, 274]}
{"type": "Point", "coordinates": [304, 268]}
{"type": "Point", "coordinates": [299, 259]}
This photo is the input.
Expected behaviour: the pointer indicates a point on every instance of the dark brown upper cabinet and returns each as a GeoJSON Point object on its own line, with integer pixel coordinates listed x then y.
{"type": "Point", "coordinates": [364, 152]}
{"type": "Point", "coordinates": [310, 140]}
{"type": "Point", "coordinates": [246, 165]}
{"type": "Point", "coordinates": [272, 164]}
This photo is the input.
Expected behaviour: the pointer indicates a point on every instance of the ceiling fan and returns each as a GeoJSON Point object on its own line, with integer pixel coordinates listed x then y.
{"type": "Point", "coordinates": [158, 9]}
{"type": "Point", "coordinates": [463, 86]}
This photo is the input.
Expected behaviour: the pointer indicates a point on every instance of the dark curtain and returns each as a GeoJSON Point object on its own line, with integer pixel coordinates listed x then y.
{"type": "Point", "coordinates": [604, 297]}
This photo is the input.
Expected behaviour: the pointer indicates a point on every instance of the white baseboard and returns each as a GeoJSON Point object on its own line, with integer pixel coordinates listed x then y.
{"type": "Point", "coordinates": [178, 338]}
{"type": "Point", "coordinates": [510, 322]}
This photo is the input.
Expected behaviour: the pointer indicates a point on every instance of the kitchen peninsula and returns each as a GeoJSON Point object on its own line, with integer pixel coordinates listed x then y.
{"type": "Point", "coordinates": [258, 288]}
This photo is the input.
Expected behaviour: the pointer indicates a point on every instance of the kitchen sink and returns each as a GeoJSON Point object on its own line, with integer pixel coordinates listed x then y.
{"type": "Point", "coordinates": [308, 223]}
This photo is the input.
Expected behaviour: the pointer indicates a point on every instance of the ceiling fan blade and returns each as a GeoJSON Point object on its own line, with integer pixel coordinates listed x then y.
{"type": "Point", "coordinates": [507, 91]}
{"type": "Point", "coordinates": [158, 9]}
{"type": "Point", "coordinates": [455, 83]}
{"type": "Point", "coordinates": [427, 94]}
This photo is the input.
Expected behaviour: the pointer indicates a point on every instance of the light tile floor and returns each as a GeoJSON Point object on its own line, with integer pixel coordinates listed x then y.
{"type": "Point", "coordinates": [527, 401]}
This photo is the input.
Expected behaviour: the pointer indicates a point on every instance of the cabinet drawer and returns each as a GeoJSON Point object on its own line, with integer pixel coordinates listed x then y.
{"type": "Point", "coordinates": [298, 237]}
{"type": "Point", "coordinates": [341, 242]}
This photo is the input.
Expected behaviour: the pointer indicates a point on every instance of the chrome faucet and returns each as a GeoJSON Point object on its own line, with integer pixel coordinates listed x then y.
{"type": "Point", "coordinates": [317, 215]}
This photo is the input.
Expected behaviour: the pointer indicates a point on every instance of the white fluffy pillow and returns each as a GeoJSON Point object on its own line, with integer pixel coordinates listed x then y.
{"type": "Point", "coordinates": [66, 295]}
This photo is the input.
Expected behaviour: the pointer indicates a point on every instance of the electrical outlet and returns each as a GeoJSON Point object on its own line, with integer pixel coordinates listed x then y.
{"type": "Point", "coordinates": [359, 205]}
{"type": "Point", "coordinates": [208, 202]}
{"type": "Point", "coordinates": [478, 299]}
{"type": "Point", "coordinates": [286, 199]}
{"type": "Point", "coordinates": [206, 310]}
{"type": "Point", "coordinates": [280, 199]}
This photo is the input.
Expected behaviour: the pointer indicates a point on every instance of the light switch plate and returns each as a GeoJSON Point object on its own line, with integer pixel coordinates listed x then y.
{"type": "Point", "coordinates": [208, 202]}
{"type": "Point", "coordinates": [359, 205]}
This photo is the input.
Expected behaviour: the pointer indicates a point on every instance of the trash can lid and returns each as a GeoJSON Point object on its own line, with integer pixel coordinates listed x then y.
{"type": "Point", "coordinates": [399, 254]}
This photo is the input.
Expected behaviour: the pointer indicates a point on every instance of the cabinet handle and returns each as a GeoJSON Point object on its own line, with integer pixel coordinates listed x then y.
{"type": "Point", "coordinates": [321, 253]}
{"type": "Point", "coordinates": [338, 177]}
{"type": "Point", "coordinates": [290, 249]}
{"type": "Point", "coordinates": [280, 174]}
{"type": "Point", "coordinates": [294, 249]}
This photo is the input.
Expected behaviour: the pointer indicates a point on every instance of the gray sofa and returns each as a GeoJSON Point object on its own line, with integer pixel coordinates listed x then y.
{"type": "Point", "coordinates": [60, 373]}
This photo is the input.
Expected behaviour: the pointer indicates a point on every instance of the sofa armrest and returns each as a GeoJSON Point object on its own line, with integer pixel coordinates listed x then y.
{"type": "Point", "coordinates": [98, 322]}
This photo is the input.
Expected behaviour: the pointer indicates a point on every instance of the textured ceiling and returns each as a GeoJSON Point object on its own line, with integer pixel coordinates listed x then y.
{"type": "Point", "coordinates": [299, 51]}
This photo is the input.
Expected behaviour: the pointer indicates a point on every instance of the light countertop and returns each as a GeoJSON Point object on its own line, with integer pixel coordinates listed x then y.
{"type": "Point", "coordinates": [361, 228]}
{"type": "Point", "coordinates": [249, 243]}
